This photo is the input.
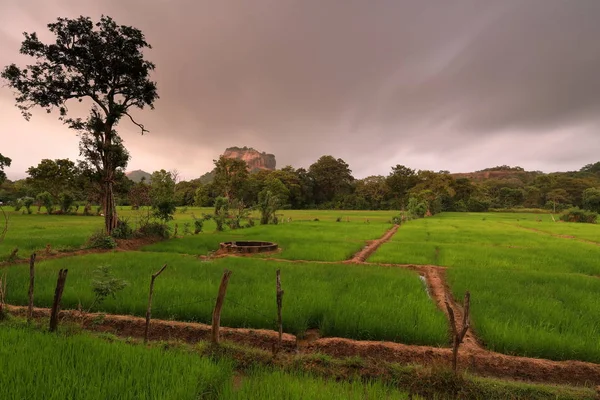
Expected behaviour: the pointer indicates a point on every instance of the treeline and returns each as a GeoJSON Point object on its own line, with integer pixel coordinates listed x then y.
{"type": "Point", "coordinates": [326, 184]}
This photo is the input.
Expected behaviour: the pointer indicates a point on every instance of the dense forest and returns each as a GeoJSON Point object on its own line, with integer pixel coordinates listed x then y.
{"type": "Point", "coordinates": [326, 184]}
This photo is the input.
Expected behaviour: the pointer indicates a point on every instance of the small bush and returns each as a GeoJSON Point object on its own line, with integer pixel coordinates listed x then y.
{"type": "Point", "coordinates": [249, 223]}
{"type": "Point", "coordinates": [100, 240]}
{"type": "Point", "coordinates": [164, 210]}
{"type": "Point", "coordinates": [576, 214]}
{"type": "Point", "coordinates": [45, 199]}
{"type": "Point", "coordinates": [27, 203]}
{"type": "Point", "coordinates": [18, 205]}
{"type": "Point", "coordinates": [123, 229]}
{"type": "Point", "coordinates": [198, 225]}
{"type": "Point", "coordinates": [66, 202]}
{"type": "Point", "coordinates": [154, 229]}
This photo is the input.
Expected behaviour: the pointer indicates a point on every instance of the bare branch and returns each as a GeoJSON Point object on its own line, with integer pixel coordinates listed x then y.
{"type": "Point", "coordinates": [139, 125]}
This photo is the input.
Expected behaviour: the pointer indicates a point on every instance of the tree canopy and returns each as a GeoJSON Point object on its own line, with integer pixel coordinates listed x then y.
{"type": "Point", "coordinates": [102, 62]}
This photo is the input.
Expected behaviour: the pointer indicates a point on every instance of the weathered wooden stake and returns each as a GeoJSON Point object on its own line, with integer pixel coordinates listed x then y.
{"type": "Point", "coordinates": [60, 286]}
{"type": "Point", "coordinates": [457, 337]}
{"type": "Point", "coordinates": [216, 316]}
{"type": "Point", "coordinates": [31, 285]}
{"type": "Point", "coordinates": [279, 303]}
{"type": "Point", "coordinates": [2, 294]}
{"type": "Point", "coordinates": [149, 309]}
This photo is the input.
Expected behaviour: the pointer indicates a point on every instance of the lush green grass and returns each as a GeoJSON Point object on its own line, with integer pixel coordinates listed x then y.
{"type": "Point", "coordinates": [263, 384]}
{"type": "Point", "coordinates": [531, 292]}
{"type": "Point", "coordinates": [304, 238]}
{"type": "Point", "coordinates": [548, 315]}
{"type": "Point", "coordinates": [341, 300]}
{"type": "Point", "coordinates": [34, 232]}
{"type": "Point", "coordinates": [317, 241]}
{"type": "Point", "coordinates": [37, 365]}
{"type": "Point", "coordinates": [487, 241]}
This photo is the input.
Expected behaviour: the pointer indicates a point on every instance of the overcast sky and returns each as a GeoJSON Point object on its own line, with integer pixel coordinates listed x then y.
{"type": "Point", "coordinates": [456, 85]}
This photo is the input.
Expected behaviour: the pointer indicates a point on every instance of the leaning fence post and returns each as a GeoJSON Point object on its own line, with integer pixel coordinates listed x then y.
{"type": "Point", "coordinates": [60, 286]}
{"type": "Point", "coordinates": [149, 309]}
{"type": "Point", "coordinates": [457, 337]}
{"type": "Point", "coordinates": [216, 316]}
{"type": "Point", "coordinates": [31, 285]}
{"type": "Point", "coordinates": [279, 304]}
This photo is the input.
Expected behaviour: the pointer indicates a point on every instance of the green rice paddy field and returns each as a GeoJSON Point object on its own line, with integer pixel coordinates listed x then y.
{"type": "Point", "coordinates": [535, 283]}
{"type": "Point", "coordinates": [534, 291]}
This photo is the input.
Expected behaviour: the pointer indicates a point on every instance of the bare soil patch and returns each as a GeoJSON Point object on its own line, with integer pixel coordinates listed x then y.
{"type": "Point", "coordinates": [373, 245]}
{"type": "Point", "coordinates": [474, 359]}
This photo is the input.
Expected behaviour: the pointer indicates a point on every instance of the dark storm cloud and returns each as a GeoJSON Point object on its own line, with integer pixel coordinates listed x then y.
{"type": "Point", "coordinates": [439, 84]}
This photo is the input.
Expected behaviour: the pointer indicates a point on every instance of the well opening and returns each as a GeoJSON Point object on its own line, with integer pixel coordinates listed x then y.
{"type": "Point", "coordinates": [248, 246]}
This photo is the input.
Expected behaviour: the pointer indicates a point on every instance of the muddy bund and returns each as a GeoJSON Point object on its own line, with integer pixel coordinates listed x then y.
{"type": "Point", "coordinates": [248, 246]}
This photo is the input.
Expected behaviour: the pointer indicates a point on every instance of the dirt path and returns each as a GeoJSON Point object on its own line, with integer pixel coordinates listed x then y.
{"type": "Point", "coordinates": [477, 361]}
{"type": "Point", "coordinates": [373, 245]}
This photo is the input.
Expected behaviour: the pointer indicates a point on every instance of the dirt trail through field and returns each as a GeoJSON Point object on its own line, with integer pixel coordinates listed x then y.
{"type": "Point", "coordinates": [482, 362]}
{"type": "Point", "coordinates": [373, 245]}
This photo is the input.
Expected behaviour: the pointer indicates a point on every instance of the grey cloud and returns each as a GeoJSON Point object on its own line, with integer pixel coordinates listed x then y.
{"type": "Point", "coordinates": [376, 83]}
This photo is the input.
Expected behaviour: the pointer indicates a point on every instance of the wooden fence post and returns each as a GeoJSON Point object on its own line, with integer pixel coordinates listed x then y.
{"type": "Point", "coordinates": [2, 294]}
{"type": "Point", "coordinates": [31, 286]}
{"type": "Point", "coordinates": [60, 286]}
{"type": "Point", "coordinates": [149, 309]}
{"type": "Point", "coordinates": [457, 337]}
{"type": "Point", "coordinates": [216, 316]}
{"type": "Point", "coordinates": [279, 304]}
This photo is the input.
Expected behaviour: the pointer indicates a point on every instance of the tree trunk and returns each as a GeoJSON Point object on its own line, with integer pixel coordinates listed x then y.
{"type": "Point", "coordinates": [108, 197]}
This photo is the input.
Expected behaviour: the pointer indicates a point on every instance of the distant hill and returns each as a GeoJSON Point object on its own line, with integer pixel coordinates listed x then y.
{"type": "Point", "coordinates": [502, 172]}
{"type": "Point", "coordinates": [137, 175]}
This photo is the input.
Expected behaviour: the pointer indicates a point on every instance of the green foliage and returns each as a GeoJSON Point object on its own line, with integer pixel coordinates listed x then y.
{"type": "Point", "coordinates": [154, 229]}
{"type": "Point", "coordinates": [268, 204]}
{"type": "Point", "coordinates": [164, 210]}
{"type": "Point", "coordinates": [103, 63]}
{"type": "Point", "coordinates": [221, 213]}
{"type": "Point", "coordinates": [101, 240]}
{"type": "Point", "coordinates": [4, 162]}
{"type": "Point", "coordinates": [231, 176]}
{"type": "Point", "coordinates": [53, 176]}
{"type": "Point", "coordinates": [238, 212]}
{"type": "Point", "coordinates": [332, 178]}
{"type": "Point", "coordinates": [591, 199]}
{"type": "Point", "coordinates": [27, 203]}
{"type": "Point", "coordinates": [106, 285]}
{"type": "Point", "coordinates": [45, 198]}
{"type": "Point", "coordinates": [66, 201]}
{"type": "Point", "coordinates": [416, 208]}
{"type": "Point", "coordinates": [123, 229]}
{"type": "Point", "coordinates": [576, 214]}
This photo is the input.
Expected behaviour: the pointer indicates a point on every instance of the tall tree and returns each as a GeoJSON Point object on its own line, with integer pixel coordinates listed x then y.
{"type": "Point", "coordinates": [4, 162]}
{"type": "Point", "coordinates": [332, 177]}
{"type": "Point", "coordinates": [400, 181]}
{"type": "Point", "coordinates": [231, 175]}
{"type": "Point", "coordinates": [101, 62]}
{"type": "Point", "coordinates": [53, 176]}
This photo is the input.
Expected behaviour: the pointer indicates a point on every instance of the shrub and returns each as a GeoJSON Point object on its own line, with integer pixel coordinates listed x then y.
{"type": "Point", "coordinates": [45, 199]}
{"type": "Point", "coordinates": [18, 204]}
{"type": "Point", "coordinates": [478, 205]}
{"type": "Point", "coordinates": [66, 202]}
{"type": "Point", "coordinates": [416, 208]}
{"type": "Point", "coordinates": [164, 210]}
{"type": "Point", "coordinates": [27, 203]}
{"type": "Point", "coordinates": [576, 214]}
{"type": "Point", "coordinates": [186, 228]}
{"type": "Point", "coordinates": [123, 229]}
{"type": "Point", "coordinates": [101, 240]}
{"type": "Point", "coordinates": [105, 285]}
{"type": "Point", "coordinates": [154, 229]}
{"type": "Point", "coordinates": [250, 222]}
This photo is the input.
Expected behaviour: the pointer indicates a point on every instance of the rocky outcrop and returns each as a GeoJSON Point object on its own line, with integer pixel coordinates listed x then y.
{"type": "Point", "coordinates": [256, 160]}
